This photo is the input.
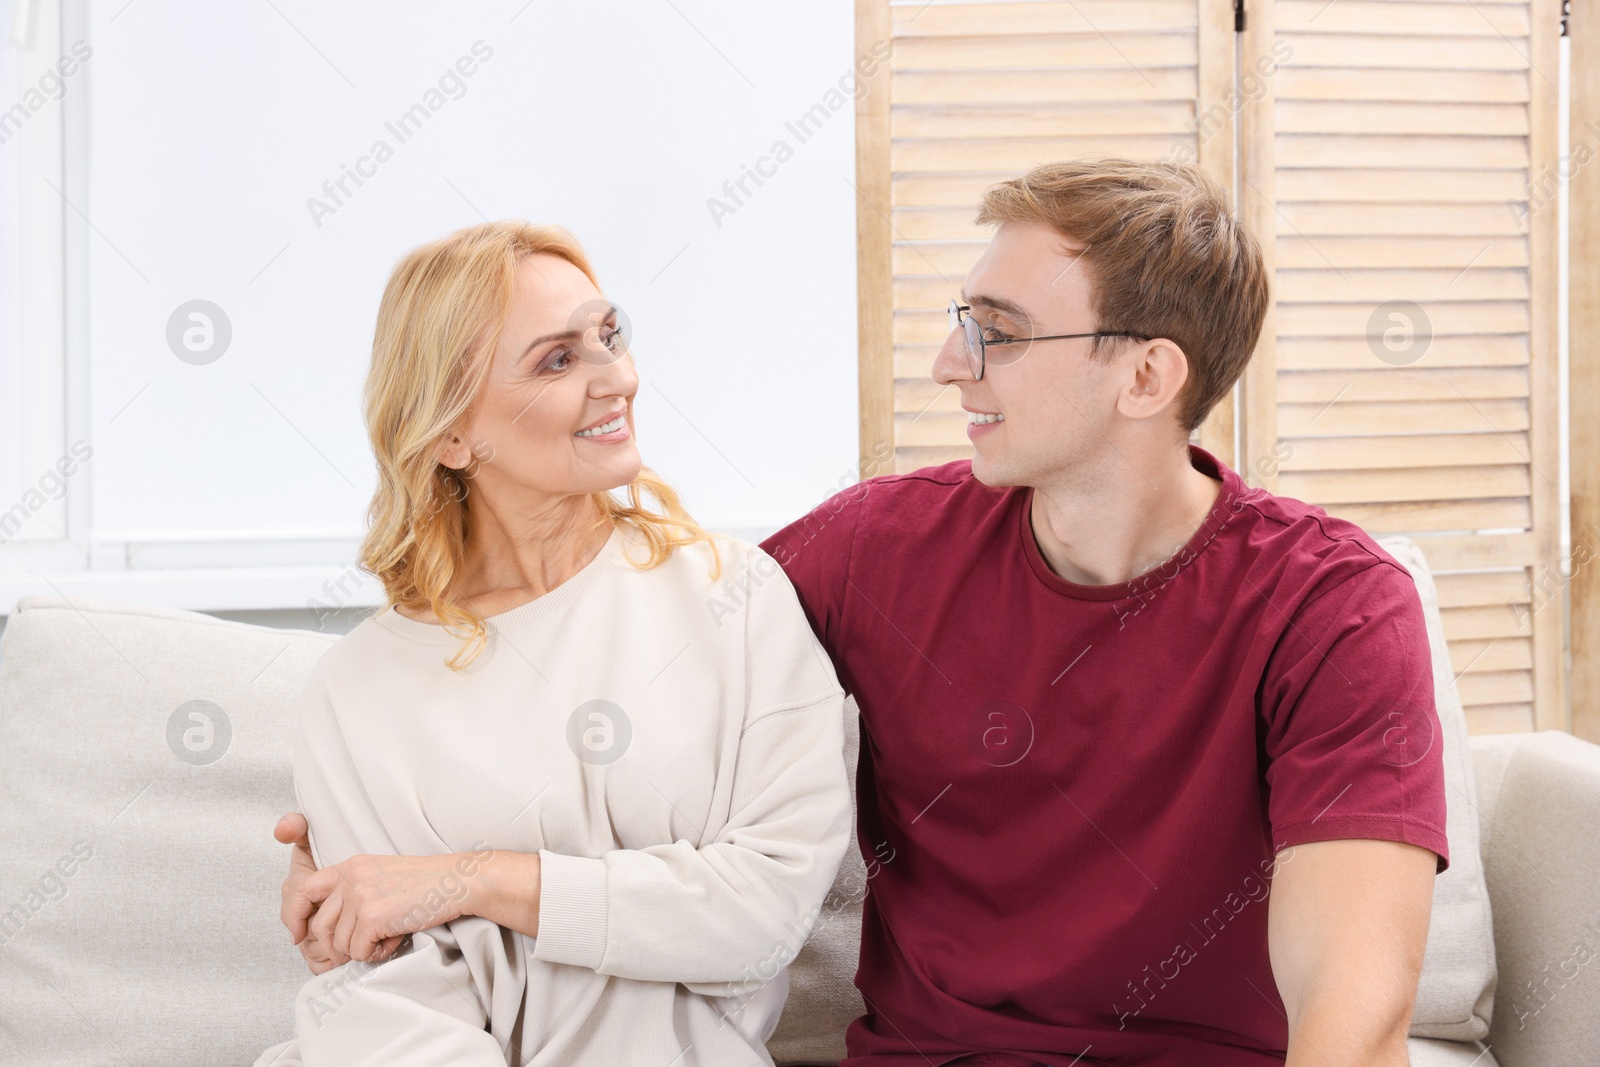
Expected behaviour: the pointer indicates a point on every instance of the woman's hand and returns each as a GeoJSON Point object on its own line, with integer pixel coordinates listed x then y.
{"type": "Point", "coordinates": [367, 904]}
{"type": "Point", "coordinates": [299, 907]}
{"type": "Point", "coordinates": [365, 907]}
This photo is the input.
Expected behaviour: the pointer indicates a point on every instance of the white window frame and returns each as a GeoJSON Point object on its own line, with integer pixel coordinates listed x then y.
{"type": "Point", "coordinates": [57, 550]}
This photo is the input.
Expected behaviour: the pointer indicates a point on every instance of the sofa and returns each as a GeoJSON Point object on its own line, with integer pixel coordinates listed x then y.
{"type": "Point", "coordinates": [145, 754]}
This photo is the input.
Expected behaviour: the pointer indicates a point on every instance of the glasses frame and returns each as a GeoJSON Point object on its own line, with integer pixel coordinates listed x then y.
{"type": "Point", "coordinates": [977, 360]}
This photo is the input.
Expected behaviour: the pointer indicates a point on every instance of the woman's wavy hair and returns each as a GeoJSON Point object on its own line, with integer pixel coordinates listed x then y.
{"type": "Point", "coordinates": [438, 326]}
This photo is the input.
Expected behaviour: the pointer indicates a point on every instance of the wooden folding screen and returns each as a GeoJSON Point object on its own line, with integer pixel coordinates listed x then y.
{"type": "Point", "coordinates": [1583, 381]}
{"type": "Point", "coordinates": [1398, 166]}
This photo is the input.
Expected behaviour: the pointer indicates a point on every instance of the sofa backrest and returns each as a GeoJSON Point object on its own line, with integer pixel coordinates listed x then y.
{"type": "Point", "coordinates": [144, 758]}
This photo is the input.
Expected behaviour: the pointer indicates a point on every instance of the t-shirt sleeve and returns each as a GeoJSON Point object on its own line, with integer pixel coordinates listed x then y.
{"type": "Point", "coordinates": [1353, 743]}
{"type": "Point", "coordinates": [814, 552]}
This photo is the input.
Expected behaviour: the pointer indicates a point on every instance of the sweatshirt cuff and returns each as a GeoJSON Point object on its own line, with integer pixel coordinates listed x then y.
{"type": "Point", "coordinates": [572, 910]}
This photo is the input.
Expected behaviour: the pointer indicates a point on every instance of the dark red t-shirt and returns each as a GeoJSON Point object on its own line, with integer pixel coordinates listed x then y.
{"type": "Point", "coordinates": [1070, 797]}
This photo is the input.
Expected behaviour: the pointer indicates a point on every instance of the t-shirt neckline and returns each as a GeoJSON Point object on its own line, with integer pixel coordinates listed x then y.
{"type": "Point", "coordinates": [436, 634]}
{"type": "Point", "coordinates": [1202, 461]}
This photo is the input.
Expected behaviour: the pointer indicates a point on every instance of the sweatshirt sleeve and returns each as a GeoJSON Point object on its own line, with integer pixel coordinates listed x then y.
{"type": "Point", "coordinates": [327, 788]}
{"type": "Point", "coordinates": [723, 918]}
{"type": "Point", "coordinates": [445, 982]}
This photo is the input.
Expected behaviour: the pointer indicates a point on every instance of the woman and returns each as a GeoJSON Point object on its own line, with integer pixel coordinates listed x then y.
{"type": "Point", "coordinates": [608, 816]}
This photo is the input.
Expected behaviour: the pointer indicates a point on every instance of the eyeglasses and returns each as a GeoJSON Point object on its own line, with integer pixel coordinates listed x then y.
{"type": "Point", "coordinates": [977, 346]}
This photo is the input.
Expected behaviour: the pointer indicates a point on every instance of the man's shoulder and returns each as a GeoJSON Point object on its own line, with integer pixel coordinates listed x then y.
{"type": "Point", "coordinates": [954, 473]}
{"type": "Point", "coordinates": [1317, 552]}
{"type": "Point", "coordinates": [904, 500]}
{"type": "Point", "coordinates": [881, 526]}
{"type": "Point", "coordinates": [916, 495]}
{"type": "Point", "coordinates": [935, 480]}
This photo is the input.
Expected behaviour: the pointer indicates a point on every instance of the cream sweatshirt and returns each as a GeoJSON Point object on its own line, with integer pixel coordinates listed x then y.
{"type": "Point", "coordinates": [673, 749]}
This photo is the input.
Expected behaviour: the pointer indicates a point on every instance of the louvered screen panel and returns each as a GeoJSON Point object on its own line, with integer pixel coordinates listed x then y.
{"type": "Point", "coordinates": [1390, 165]}
{"type": "Point", "coordinates": [980, 92]}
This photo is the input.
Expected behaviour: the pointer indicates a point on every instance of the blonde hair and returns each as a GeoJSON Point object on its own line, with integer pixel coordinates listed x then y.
{"type": "Point", "coordinates": [438, 325]}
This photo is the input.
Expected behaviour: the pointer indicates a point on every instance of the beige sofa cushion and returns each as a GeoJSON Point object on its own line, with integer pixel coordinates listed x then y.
{"type": "Point", "coordinates": [1539, 818]}
{"type": "Point", "coordinates": [137, 863]}
{"type": "Point", "coordinates": [1455, 998]}
{"type": "Point", "coordinates": [1428, 1052]}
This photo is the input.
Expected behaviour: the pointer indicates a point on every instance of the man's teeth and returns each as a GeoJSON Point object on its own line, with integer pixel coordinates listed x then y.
{"type": "Point", "coordinates": [973, 416]}
{"type": "Point", "coordinates": [605, 427]}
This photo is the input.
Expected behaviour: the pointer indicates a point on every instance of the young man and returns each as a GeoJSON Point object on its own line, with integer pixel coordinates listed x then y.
{"type": "Point", "coordinates": [1153, 753]}
{"type": "Point", "coordinates": [1110, 696]}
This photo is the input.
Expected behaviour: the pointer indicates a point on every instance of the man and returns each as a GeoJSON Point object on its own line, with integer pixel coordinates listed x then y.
{"type": "Point", "coordinates": [1109, 694]}
{"type": "Point", "coordinates": [1153, 752]}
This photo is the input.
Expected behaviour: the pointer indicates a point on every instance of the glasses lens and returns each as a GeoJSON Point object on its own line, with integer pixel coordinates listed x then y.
{"type": "Point", "coordinates": [975, 351]}
{"type": "Point", "coordinates": [1004, 355]}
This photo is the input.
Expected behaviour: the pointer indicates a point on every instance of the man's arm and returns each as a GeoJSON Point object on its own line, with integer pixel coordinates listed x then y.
{"type": "Point", "coordinates": [1347, 924]}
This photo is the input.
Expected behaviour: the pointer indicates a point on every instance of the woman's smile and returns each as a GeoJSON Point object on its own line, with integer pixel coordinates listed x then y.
{"type": "Point", "coordinates": [614, 428]}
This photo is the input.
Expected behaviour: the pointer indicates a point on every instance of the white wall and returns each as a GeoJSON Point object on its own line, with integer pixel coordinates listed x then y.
{"type": "Point", "coordinates": [207, 128]}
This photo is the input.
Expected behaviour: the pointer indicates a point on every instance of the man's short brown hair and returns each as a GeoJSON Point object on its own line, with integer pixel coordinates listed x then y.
{"type": "Point", "coordinates": [1165, 258]}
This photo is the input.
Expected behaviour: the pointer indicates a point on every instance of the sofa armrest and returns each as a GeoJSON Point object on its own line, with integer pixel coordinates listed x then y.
{"type": "Point", "coordinates": [1539, 810]}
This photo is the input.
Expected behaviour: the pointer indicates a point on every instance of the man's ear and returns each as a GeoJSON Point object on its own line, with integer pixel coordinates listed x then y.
{"type": "Point", "coordinates": [1160, 371]}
